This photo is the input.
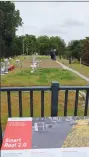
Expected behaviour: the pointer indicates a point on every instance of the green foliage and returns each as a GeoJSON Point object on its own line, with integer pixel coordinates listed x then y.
{"type": "Point", "coordinates": [75, 61]}
{"type": "Point", "coordinates": [42, 74]}
{"type": "Point", "coordinates": [30, 44]}
{"type": "Point", "coordinates": [2, 60]}
{"type": "Point", "coordinates": [85, 57]}
{"type": "Point", "coordinates": [9, 21]}
{"type": "Point", "coordinates": [44, 45]}
{"type": "Point", "coordinates": [74, 49]}
{"type": "Point", "coordinates": [78, 49]}
{"type": "Point", "coordinates": [24, 77]}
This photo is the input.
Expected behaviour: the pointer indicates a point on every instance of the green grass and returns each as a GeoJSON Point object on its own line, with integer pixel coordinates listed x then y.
{"type": "Point", "coordinates": [24, 77]}
{"type": "Point", "coordinates": [84, 70]}
{"type": "Point", "coordinates": [43, 57]}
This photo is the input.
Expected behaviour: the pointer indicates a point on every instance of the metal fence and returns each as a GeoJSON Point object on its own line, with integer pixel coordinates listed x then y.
{"type": "Point", "coordinates": [55, 88]}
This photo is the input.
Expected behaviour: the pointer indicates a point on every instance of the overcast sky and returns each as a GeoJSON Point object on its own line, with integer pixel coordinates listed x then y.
{"type": "Point", "coordinates": [67, 20]}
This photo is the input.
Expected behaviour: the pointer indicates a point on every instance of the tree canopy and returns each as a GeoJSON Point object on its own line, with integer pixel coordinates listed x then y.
{"type": "Point", "coordinates": [9, 21]}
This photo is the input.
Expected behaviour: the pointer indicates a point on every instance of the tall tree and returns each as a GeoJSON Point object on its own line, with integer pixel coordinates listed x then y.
{"type": "Point", "coordinates": [30, 44]}
{"type": "Point", "coordinates": [9, 21]}
{"type": "Point", "coordinates": [44, 46]}
{"type": "Point", "coordinates": [17, 46]}
{"type": "Point", "coordinates": [85, 57]}
{"type": "Point", "coordinates": [74, 49]}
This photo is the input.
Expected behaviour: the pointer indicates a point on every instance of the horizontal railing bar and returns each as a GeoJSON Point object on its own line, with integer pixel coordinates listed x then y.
{"type": "Point", "coordinates": [45, 88]}
{"type": "Point", "coordinates": [74, 88]}
{"type": "Point", "coordinates": [25, 88]}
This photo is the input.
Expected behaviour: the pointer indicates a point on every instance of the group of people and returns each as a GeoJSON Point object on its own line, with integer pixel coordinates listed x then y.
{"type": "Point", "coordinates": [53, 54]}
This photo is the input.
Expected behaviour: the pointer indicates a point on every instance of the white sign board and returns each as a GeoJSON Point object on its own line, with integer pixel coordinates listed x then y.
{"type": "Point", "coordinates": [57, 152]}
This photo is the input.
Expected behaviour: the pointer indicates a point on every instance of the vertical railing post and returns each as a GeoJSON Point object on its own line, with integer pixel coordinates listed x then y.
{"type": "Point", "coordinates": [54, 98]}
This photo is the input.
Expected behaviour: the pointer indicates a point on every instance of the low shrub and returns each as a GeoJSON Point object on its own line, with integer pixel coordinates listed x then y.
{"type": "Point", "coordinates": [75, 61]}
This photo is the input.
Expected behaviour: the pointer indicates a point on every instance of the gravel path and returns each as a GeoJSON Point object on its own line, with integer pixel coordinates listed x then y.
{"type": "Point", "coordinates": [70, 69]}
{"type": "Point", "coordinates": [48, 63]}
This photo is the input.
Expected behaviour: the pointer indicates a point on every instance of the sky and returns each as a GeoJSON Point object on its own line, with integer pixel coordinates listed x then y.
{"type": "Point", "coordinates": [68, 20]}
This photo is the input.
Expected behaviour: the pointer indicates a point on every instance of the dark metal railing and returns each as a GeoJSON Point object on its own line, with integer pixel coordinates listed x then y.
{"type": "Point", "coordinates": [54, 89]}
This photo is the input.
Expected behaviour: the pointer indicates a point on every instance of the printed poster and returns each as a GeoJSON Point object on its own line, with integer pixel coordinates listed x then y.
{"type": "Point", "coordinates": [38, 137]}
